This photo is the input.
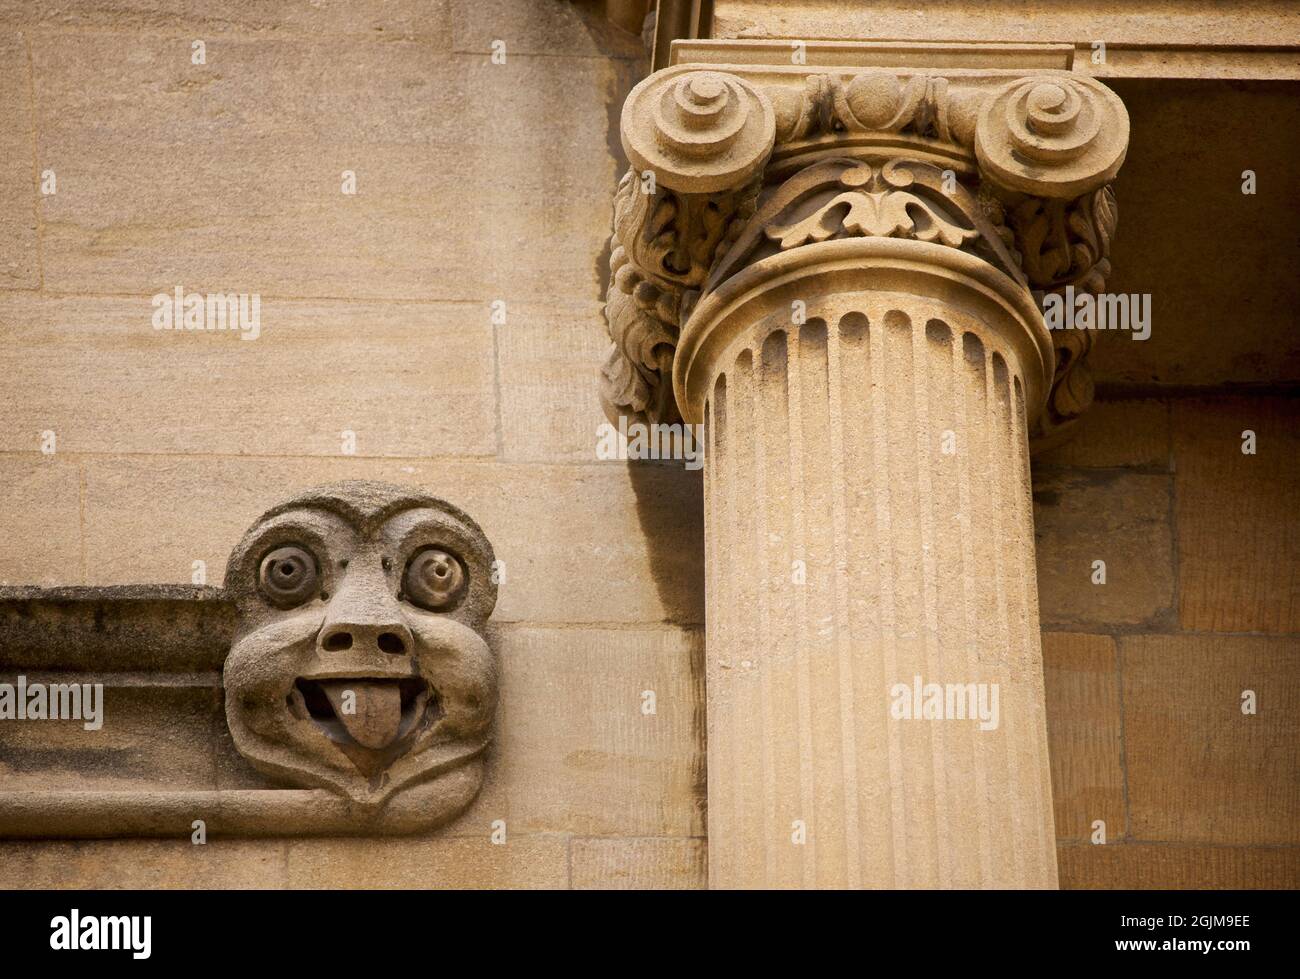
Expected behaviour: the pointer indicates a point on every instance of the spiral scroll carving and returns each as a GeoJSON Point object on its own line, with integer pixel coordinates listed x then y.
{"type": "Point", "coordinates": [698, 132]}
{"type": "Point", "coordinates": [1052, 136]}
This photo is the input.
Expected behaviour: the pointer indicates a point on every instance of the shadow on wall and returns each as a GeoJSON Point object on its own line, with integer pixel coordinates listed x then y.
{"type": "Point", "coordinates": [674, 537]}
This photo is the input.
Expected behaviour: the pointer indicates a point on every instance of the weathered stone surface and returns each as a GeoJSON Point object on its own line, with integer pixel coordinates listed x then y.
{"type": "Point", "coordinates": [567, 29]}
{"type": "Point", "coordinates": [607, 767]}
{"type": "Point", "coordinates": [159, 629]}
{"type": "Point", "coordinates": [1195, 186]}
{"type": "Point", "coordinates": [437, 864]}
{"type": "Point", "coordinates": [422, 134]}
{"type": "Point", "coordinates": [361, 612]}
{"type": "Point", "coordinates": [1129, 434]}
{"type": "Point", "coordinates": [492, 803]}
{"type": "Point", "coordinates": [521, 862]}
{"type": "Point", "coordinates": [227, 177]}
{"type": "Point", "coordinates": [1117, 517]}
{"type": "Point", "coordinates": [233, 772]}
{"type": "Point", "coordinates": [625, 864]}
{"type": "Point", "coordinates": [1191, 22]}
{"type": "Point", "coordinates": [358, 673]}
{"type": "Point", "coordinates": [373, 20]}
{"type": "Point", "coordinates": [831, 583]}
{"type": "Point", "coordinates": [817, 262]}
{"type": "Point", "coordinates": [1238, 515]}
{"type": "Point", "coordinates": [1084, 735]}
{"type": "Point", "coordinates": [548, 357]}
{"type": "Point", "coordinates": [540, 515]}
{"type": "Point", "coordinates": [1178, 866]}
{"type": "Point", "coordinates": [704, 138]}
{"type": "Point", "coordinates": [40, 521]}
{"type": "Point", "coordinates": [19, 251]}
{"type": "Point", "coordinates": [152, 737]}
{"type": "Point", "coordinates": [160, 391]}
{"type": "Point", "coordinates": [142, 864]}
{"type": "Point", "coordinates": [1199, 769]}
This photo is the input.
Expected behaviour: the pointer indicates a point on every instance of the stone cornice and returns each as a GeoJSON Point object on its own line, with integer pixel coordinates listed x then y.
{"type": "Point", "coordinates": [1264, 51]}
{"type": "Point", "coordinates": [1010, 163]}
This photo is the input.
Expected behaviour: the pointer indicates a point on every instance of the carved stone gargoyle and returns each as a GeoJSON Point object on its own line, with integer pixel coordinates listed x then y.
{"type": "Point", "coordinates": [358, 682]}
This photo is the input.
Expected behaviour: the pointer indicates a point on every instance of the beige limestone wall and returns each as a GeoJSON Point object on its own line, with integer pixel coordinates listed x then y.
{"type": "Point", "coordinates": [476, 182]}
{"type": "Point", "coordinates": [479, 182]}
{"type": "Point", "coordinates": [1145, 674]}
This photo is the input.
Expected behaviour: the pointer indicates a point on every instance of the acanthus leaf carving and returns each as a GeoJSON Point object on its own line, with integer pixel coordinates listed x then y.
{"type": "Point", "coordinates": [847, 198]}
{"type": "Point", "coordinates": [882, 211]}
{"type": "Point", "coordinates": [662, 248]}
{"type": "Point", "coordinates": [1066, 243]}
{"type": "Point", "coordinates": [641, 319]}
{"type": "Point", "coordinates": [1072, 388]}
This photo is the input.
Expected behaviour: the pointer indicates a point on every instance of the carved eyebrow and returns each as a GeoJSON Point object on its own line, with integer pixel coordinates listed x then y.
{"type": "Point", "coordinates": [428, 513]}
{"type": "Point", "coordinates": [368, 515]}
{"type": "Point", "coordinates": [304, 513]}
{"type": "Point", "coordinates": [409, 531]}
{"type": "Point", "coordinates": [435, 523]}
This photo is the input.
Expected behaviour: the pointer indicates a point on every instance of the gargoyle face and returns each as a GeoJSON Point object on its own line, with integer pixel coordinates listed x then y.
{"type": "Point", "coordinates": [359, 662]}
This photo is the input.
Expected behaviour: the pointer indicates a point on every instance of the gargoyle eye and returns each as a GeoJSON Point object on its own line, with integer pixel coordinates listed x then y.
{"type": "Point", "coordinates": [434, 580]}
{"type": "Point", "coordinates": [288, 576]}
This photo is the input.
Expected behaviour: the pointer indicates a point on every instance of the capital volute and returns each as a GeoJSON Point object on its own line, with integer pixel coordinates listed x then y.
{"type": "Point", "coordinates": [698, 131]}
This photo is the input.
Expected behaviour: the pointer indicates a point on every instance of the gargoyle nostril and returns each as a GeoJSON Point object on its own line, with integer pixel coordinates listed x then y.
{"type": "Point", "coordinates": [391, 642]}
{"type": "Point", "coordinates": [338, 641]}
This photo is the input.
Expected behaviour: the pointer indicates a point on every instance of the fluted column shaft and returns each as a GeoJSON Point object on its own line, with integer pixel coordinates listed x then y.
{"type": "Point", "coordinates": [869, 529]}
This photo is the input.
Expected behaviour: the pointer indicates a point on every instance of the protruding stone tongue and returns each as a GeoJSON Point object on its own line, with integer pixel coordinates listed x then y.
{"type": "Point", "coordinates": [373, 712]}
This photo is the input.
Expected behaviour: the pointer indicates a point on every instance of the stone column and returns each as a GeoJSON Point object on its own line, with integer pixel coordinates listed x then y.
{"type": "Point", "coordinates": [834, 271]}
{"type": "Point", "coordinates": [868, 523]}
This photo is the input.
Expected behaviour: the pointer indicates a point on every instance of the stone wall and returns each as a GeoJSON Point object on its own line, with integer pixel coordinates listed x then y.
{"type": "Point", "coordinates": [478, 183]}
{"type": "Point", "coordinates": [1145, 673]}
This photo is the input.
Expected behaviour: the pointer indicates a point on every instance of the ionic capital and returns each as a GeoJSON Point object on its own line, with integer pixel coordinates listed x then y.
{"type": "Point", "coordinates": [733, 164]}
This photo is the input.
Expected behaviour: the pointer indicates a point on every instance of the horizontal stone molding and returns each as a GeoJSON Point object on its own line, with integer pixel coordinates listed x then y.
{"type": "Point", "coordinates": [1272, 59]}
{"type": "Point", "coordinates": [234, 812]}
{"type": "Point", "coordinates": [115, 628]}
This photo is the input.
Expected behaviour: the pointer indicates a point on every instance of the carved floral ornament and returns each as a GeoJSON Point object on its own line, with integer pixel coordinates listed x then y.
{"type": "Point", "coordinates": [731, 167]}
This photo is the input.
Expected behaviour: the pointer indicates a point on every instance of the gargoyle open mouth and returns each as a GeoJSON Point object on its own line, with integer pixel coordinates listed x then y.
{"type": "Point", "coordinates": [367, 717]}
